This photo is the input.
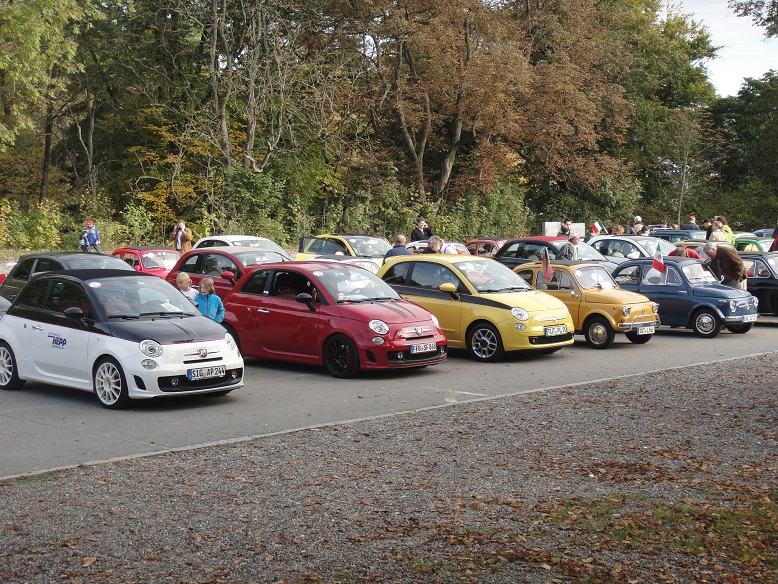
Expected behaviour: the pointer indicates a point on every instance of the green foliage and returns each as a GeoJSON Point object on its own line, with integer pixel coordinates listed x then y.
{"type": "Point", "coordinates": [37, 228]}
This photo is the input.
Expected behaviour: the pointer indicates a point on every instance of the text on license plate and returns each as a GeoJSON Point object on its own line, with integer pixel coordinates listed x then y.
{"type": "Point", "coordinates": [552, 331]}
{"type": "Point", "coordinates": [424, 348]}
{"type": "Point", "coordinates": [206, 372]}
{"type": "Point", "coordinates": [749, 318]}
{"type": "Point", "coordinates": [646, 330]}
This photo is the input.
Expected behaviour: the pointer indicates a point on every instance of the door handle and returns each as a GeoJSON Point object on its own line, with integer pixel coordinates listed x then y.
{"type": "Point", "coordinates": [263, 310]}
{"type": "Point", "coordinates": [35, 327]}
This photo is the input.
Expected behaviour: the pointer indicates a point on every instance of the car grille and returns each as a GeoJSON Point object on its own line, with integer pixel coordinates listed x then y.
{"type": "Point", "coordinates": [550, 340]}
{"type": "Point", "coordinates": [395, 358]}
{"type": "Point", "coordinates": [183, 384]}
{"type": "Point", "coordinates": [417, 332]}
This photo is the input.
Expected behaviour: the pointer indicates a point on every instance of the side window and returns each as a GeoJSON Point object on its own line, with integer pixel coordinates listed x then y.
{"type": "Point", "coordinates": [332, 247]}
{"type": "Point", "coordinates": [673, 278]}
{"type": "Point", "coordinates": [256, 283]}
{"type": "Point", "coordinates": [628, 276]}
{"type": "Point", "coordinates": [64, 295]}
{"type": "Point", "coordinates": [474, 249]}
{"type": "Point", "coordinates": [23, 269]}
{"type": "Point", "coordinates": [282, 286]}
{"type": "Point", "coordinates": [533, 251]}
{"type": "Point", "coordinates": [430, 275]}
{"type": "Point", "coordinates": [565, 281]}
{"type": "Point", "coordinates": [214, 264]}
{"type": "Point", "coordinates": [761, 269]}
{"type": "Point", "coordinates": [131, 259]}
{"type": "Point", "coordinates": [512, 250]}
{"type": "Point", "coordinates": [32, 295]}
{"type": "Point", "coordinates": [190, 264]}
{"type": "Point", "coordinates": [653, 277]}
{"type": "Point", "coordinates": [396, 274]}
{"type": "Point", "coordinates": [526, 275]}
{"type": "Point", "coordinates": [47, 265]}
{"type": "Point", "coordinates": [551, 284]}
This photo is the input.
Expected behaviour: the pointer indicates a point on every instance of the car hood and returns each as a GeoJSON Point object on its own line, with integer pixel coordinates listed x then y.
{"type": "Point", "coordinates": [719, 291]}
{"type": "Point", "coordinates": [613, 297]}
{"type": "Point", "coordinates": [530, 300]}
{"type": "Point", "coordinates": [400, 313]}
{"type": "Point", "coordinates": [168, 330]}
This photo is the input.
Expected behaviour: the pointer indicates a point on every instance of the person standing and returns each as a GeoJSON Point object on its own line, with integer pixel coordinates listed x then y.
{"type": "Point", "coordinates": [399, 247]}
{"type": "Point", "coordinates": [181, 236]}
{"type": "Point", "coordinates": [208, 303]}
{"type": "Point", "coordinates": [691, 224]}
{"type": "Point", "coordinates": [90, 237]}
{"type": "Point", "coordinates": [727, 265]}
{"type": "Point", "coordinates": [569, 251]}
{"type": "Point", "coordinates": [434, 245]}
{"type": "Point", "coordinates": [707, 225]}
{"type": "Point", "coordinates": [637, 224]}
{"type": "Point", "coordinates": [422, 231]}
{"type": "Point", "coordinates": [184, 284]}
{"type": "Point", "coordinates": [564, 230]}
{"type": "Point", "coordinates": [726, 229]}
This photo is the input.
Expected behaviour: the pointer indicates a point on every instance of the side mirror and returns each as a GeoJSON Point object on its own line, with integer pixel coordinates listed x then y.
{"type": "Point", "coordinates": [449, 288]}
{"type": "Point", "coordinates": [136, 267]}
{"type": "Point", "coordinates": [305, 298]}
{"type": "Point", "coordinates": [229, 276]}
{"type": "Point", "coordinates": [74, 312]}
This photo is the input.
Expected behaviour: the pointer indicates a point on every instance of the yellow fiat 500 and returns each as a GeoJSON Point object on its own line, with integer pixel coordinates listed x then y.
{"type": "Point", "coordinates": [598, 306]}
{"type": "Point", "coordinates": [481, 305]}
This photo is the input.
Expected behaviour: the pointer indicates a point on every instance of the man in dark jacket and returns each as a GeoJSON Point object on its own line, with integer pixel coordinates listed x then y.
{"type": "Point", "coordinates": [727, 265]}
{"type": "Point", "coordinates": [691, 224]}
{"type": "Point", "coordinates": [399, 247]}
{"type": "Point", "coordinates": [422, 231]}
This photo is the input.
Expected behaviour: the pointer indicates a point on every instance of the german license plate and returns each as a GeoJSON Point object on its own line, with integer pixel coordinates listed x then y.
{"type": "Point", "coordinates": [749, 318]}
{"type": "Point", "coordinates": [206, 372]}
{"type": "Point", "coordinates": [424, 348]}
{"type": "Point", "coordinates": [645, 330]}
{"type": "Point", "coordinates": [552, 331]}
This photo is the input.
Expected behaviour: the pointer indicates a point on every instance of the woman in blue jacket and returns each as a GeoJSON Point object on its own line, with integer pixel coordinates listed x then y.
{"type": "Point", "coordinates": [208, 302]}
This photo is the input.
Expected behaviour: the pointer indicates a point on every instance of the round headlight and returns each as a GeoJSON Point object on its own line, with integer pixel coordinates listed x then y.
{"type": "Point", "coordinates": [655, 307]}
{"type": "Point", "coordinates": [435, 320]}
{"type": "Point", "coordinates": [378, 326]}
{"type": "Point", "coordinates": [150, 348]}
{"type": "Point", "coordinates": [627, 310]}
{"type": "Point", "coordinates": [519, 314]}
{"type": "Point", "coordinates": [732, 305]}
{"type": "Point", "coordinates": [230, 341]}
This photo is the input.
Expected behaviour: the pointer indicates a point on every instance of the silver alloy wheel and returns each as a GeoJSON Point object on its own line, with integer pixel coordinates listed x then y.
{"type": "Point", "coordinates": [484, 343]}
{"type": "Point", "coordinates": [6, 366]}
{"type": "Point", "coordinates": [108, 383]}
{"type": "Point", "coordinates": [705, 322]}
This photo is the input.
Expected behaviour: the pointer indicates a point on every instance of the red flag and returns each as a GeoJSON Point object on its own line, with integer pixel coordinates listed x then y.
{"type": "Point", "coordinates": [658, 263]}
{"type": "Point", "coordinates": [546, 267]}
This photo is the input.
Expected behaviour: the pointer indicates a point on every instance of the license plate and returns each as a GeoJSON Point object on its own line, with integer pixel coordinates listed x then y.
{"type": "Point", "coordinates": [206, 372]}
{"type": "Point", "coordinates": [645, 330]}
{"type": "Point", "coordinates": [424, 348]}
{"type": "Point", "coordinates": [749, 318]}
{"type": "Point", "coordinates": [552, 331]}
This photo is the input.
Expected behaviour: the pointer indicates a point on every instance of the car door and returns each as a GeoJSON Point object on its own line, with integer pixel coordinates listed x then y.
{"type": "Point", "coordinates": [60, 344]}
{"type": "Point", "coordinates": [671, 291]}
{"type": "Point", "coordinates": [762, 284]}
{"type": "Point", "coordinates": [561, 286]}
{"type": "Point", "coordinates": [213, 265]}
{"type": "Point", "coordinates": [244, 309]}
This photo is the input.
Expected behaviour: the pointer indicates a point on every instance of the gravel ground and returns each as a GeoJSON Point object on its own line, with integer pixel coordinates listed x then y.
{"type": "Point", "coordinates": [669, 477]}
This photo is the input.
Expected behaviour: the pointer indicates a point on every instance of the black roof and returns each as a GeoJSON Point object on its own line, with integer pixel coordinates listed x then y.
{"type": "Point", "coordinates": [94, 274]}
{"type": "Point", "coordinates": [146, 248]}
{"type": "Point", "coordinates": [57, 254]}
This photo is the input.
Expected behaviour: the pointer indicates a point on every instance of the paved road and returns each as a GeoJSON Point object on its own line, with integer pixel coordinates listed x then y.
{"type": "Point", "coordinates": [44, 428]}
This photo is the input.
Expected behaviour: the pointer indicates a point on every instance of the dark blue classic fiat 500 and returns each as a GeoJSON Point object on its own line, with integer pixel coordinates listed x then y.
{"type": "Point", "coordinates": [690, 295]}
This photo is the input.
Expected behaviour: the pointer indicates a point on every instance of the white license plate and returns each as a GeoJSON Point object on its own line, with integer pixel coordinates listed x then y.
{"type": "Point", "coordinates": [424, 348]}
{"type": "Point", "coordinates": [645, 330]}
{"type": "Point", "coordinates": [749, 318]}
{"type": "Point", "coordinates": [206, 372]}
{"type": "Point", "coordinates": [552, 331]}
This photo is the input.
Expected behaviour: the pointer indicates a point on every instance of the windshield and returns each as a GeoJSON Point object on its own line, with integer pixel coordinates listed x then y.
{"type": "Point", "coordinates": [698, 274]}
{"type": "Point", "coordinates": [649, 244]}
{"type": "Point", "coordinates": [773, 262]}
{"type": "Point", "coordinates": [132, 297]}
{"type": "Point", "coordinates": [251, 258]}
{"type": "Point", "coordinates": [348, 284]}
{"type": "Point", "coordinates": [371, 247]}
{"type": "Point", "coordinates": [489, 276]}
{"type": "Point", "coordinates": [159, 259]}
{"type": "Point", "coordinates": [263, 244]}
{"type": "Point", "coordinates": [589, 277]}
{"type": "Point", "coordinates": [97, 262]}
{"type": "Point", "coordinates": [585, 251]}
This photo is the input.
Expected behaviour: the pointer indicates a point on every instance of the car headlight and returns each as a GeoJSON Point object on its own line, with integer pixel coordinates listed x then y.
{"type": "Point", "coordinates": [435, 320]}
{"type": "Point", "coordinates": [732, 305]}
{"type": "Point", "coordinates": [519, 314]}
{"type": "Point", "coordinates": [655, 307]}
{"type": "Point", "coordinates": [230, 341]}
{"type": "Point", "coordinates": [378, 326]}
{"type": "Point", "coordinates": [150, 348]}
{"type": "Point", "coordinates": [627, 310]}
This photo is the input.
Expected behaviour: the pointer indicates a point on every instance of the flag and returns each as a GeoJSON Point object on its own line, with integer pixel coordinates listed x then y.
{"type": "Point", "coordinates": [597, 228]}
{"type": "Point", "coordinates": [546, 267]}
{"type": "Point", "coordinates": [658, 263]}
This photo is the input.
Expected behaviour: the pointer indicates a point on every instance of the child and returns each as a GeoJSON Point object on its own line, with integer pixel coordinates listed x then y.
{"type": "Point", "coordinates": [184, 283]}
{"type": "Point", "coordinates": [208, 302]}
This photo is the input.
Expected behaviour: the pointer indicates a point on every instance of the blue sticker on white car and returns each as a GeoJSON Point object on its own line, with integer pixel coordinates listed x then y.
{"type": "Point", "coordinates": [57, 341]}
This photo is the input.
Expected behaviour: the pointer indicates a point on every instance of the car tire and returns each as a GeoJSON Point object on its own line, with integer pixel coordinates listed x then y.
{"type": "Point", "coordinates": [706, 323]}
{"type": "Point", "coordinates": [598, 333]}
{"type": "Point", "coordinates": [9, 372]}
{"type": "Point", "coordinates": [740, 329]}
{"type": "Point", "coordinates": [340, 357]}
{"type": "Point", "coordinates": [638, 339]}
{"type": "Point", "coordinates": [110, 384]}
{"type": "Point", "coordinates": [484, 343]}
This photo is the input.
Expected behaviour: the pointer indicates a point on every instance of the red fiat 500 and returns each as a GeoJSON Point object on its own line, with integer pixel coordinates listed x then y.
{"type": "Point", "coordinates": [333, 314]}
{"type": "Point", "coordinates": [149, 260]}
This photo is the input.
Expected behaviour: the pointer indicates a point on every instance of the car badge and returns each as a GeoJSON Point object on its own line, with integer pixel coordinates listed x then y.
{"type": "Point", "coordinates": [202, 352]}
{"type": "Point", "coordinates": [419, 331]}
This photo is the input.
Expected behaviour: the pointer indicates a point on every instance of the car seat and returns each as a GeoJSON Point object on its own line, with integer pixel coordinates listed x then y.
{"type": "Point", "coordinates": [283, 287]}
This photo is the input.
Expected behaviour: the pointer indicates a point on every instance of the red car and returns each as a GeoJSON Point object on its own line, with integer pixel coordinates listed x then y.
{"type": "Point", "coordinates": [224, 264]}
{"type": "Point", "coordinates": [330, 314]}
{"type": "Point", "coordinates": [485, 246]}
{"type": "Point", "coordinates": [149, 260]}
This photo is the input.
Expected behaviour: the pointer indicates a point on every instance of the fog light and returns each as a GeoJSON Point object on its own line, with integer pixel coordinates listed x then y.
{"type": "Point", "coordinates": [234, 373]}
{"type": "Point", "coordinates": [148, 364]}
{"type": "Point", "coordinates": [519, 327]}
{"type": "Point", "coordinates": [378, 340]}
{"type": "Point", "coordinates": [174, 381]}
{"type": "Point", "coordinates": [399, 355]}
{"type": "Point", "coordinates": [443, 350]}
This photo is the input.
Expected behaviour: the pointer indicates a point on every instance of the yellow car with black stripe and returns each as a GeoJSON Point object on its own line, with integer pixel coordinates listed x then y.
{"type": "Point", "coordinates": [343, 244]}
{"type": "Point", "coordinates": [482, 306]}
{"type": "Point", "coordinates": [599, 308]}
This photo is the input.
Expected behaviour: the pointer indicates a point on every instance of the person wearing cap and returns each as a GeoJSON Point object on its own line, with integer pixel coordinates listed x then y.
{"type": "Point", "coordinates": [569, 251]}
{"type": "Point", "coordinates": [707, 225]}
{"type": "Point", "coordinates": [691, 224]}
{"type": "Point", "coordinates": [90, 237]}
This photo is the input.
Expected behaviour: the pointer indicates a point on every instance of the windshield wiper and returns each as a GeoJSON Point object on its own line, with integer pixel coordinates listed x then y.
{"type": "Point", "coordinates": [124, 316]}
{"type": "Point", "coordinates": [164, 313]}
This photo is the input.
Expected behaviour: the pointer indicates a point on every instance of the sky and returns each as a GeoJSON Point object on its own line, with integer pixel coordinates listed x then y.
{"type": "Point", "coordinates": [744, 51]}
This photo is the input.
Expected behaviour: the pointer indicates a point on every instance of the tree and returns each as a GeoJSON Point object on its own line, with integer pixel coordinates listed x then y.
{"type": "Point", "coordinates": [763, 13]}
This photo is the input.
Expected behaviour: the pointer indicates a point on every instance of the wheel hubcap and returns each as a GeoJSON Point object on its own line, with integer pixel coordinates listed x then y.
{"type": "Point", "coordinates": [484, 343]}
{"type": "Point", "coordinates": [108, 383]}
{"type": "Point", "coordinates": [339, 356]}
{"type": "Point", "coordinates": [598, 334]}
{"type": "Point", "coordinates": [705, 323]}
{"type": "Point", "coordinates": [6, 366]}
